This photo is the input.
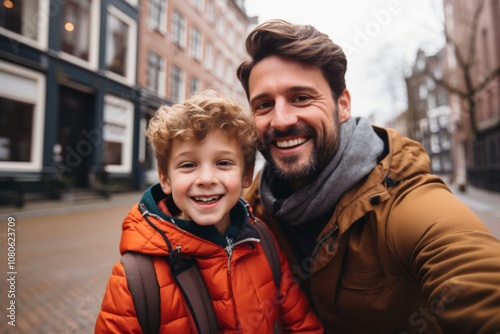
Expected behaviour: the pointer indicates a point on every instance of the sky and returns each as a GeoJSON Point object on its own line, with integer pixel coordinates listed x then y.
{"type": "Point", "coordinates": [379, 37]}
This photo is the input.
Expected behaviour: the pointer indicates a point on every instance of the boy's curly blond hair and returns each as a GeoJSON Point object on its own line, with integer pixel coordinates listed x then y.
{"type": "Point", "coordinates": [194, 118]}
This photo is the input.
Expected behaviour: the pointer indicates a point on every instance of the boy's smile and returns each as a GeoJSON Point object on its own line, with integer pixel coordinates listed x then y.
{"type": "Point", "coordinates": [206, 178]}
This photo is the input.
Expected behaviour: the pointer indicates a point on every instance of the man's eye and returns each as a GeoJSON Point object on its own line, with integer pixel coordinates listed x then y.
{"type": "Point", "coordinates": [262, 106]}
{"type": "Point", "coordinates": [301, 98]}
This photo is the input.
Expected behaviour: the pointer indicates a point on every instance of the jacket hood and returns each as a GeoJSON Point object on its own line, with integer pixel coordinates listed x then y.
{"type": "Point", "coordinates": [145, 228]}
{"type": "Point", "coordinates": [402, 159]}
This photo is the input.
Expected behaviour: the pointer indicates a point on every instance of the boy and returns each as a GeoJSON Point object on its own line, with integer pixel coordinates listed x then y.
{"type": "Point", "coordinates": [205, 149]}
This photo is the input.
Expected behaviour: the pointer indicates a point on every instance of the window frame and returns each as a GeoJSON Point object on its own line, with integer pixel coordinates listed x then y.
{"type": "Point", "coordinates": [37, 140]}
{"type": "Point", "coordinates": [127, 144]}
{"type": "Point", "coordinates": [95, 23]}
{"type": "Point", "coordinates": [42, 27]}
{"type": "Point", "coordinates": [131, 57]}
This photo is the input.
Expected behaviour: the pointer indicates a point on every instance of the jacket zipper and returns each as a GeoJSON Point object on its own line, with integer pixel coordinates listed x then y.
{"type": "Point", "coordinates": [192, 326]}
{"type": "Point", "coordinates": [229, 250]}
{"type": "Point", "coordinates": [326, 236]}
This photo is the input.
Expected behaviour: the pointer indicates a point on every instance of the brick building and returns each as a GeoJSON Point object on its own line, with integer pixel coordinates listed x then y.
{"type": "Point", "coordinates": [80, 79]}
{"type": "Point", "coordinates": [477, 153]}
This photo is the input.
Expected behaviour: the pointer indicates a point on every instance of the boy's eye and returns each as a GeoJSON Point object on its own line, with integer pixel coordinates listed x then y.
{"type": "Point", "coordinates": [187, 165]}
{"type": "Point", "coordinates": [225, 163]}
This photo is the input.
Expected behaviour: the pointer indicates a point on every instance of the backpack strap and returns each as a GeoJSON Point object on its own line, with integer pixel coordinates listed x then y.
{"type": "Point", "coordinates": [188, 277]}
{"type": "Point", "coordinates": [270, 250]}
{"type": "Point", "coordinates": [143, 285]}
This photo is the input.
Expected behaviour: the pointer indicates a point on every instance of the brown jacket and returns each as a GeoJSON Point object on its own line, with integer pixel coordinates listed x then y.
{"type": "Point", "coordinates": [400, 254]}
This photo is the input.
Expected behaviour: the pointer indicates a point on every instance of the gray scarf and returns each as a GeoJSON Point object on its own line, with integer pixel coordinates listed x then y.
{"type": "Point", "coordinates": [357, 155]}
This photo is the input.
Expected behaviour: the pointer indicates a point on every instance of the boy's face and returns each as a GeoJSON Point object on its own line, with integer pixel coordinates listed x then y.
{"type": "Point", "coordinates": [206, 178]}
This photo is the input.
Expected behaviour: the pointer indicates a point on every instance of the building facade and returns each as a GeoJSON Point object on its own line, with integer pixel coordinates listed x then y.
{"type": "Point", "coordinates": [428, 113]}
{"type": "Point", "coordinates": [80, 79]}
{"type": "Point", "coordinates": [477, 151]}
{"type": "Point", "coordinates": [187, 46]}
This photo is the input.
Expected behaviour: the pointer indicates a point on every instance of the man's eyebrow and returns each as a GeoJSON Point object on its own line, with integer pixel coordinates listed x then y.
{"type": "Point", "coordinates": [292, 89]}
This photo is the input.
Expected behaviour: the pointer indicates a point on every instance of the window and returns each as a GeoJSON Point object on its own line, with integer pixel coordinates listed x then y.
{"type": "Point", "coordinates": [433, 125]}
{"type": "Point", "coordinates": [80, 31]}
{"type": "Point", "coordinates": [196, 44]}
{"type": "Point", "coordinates": [155, 78]}
{"type": "Point", "coordinates": [435, 147]}
{"type": "Point", "coordinates": [121, 45]}
{"type": "Point", "coordinates": [22, 106]}
{"type": "Point", "coordinates": [157, 15]}
{"type": "Point", "coordinates": [422, 91]}
{"type": "Point", "coordinates": [230, 73]}
{"type": "Point", "coordinates": [210, 15]}
{"type": "Point", "coordinates": [198, 5]}
{"type": "Point", "coordinates": [117, 134]}
{"type": "Point", "coordinates": [219, 70]}
{"type": "Point", "coordinates": [177, 84]}
{"type": "Point", "coordinates": [442, 98]}
{"type": "Point", "coordinates": [430, 83]}
{"type": "Point", "coordinates": [436, 164]}
{"type": "Point", "coordinates": [25, 21]}
{"type": "Point", "coordinates": [179, 29]}
{"type": "Point", "coordinates": [220, 26]}
{"type": "Point", "coordinates": [445, 141]}
{"type": "Point", "coordinates": [209, 56]}
{"type": "Point", "coordinates": [443, 121]}
{"type": "Point", "coordinates": [431, 101]}
{"type": "Point", "coordinates": [194, 85]}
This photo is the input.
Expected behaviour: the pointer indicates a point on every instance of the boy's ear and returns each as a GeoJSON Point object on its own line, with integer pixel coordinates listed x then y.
{"type": "Point", "coordinates": [165, 182]}
{"type": "Point", "coordinates": [248, 176]}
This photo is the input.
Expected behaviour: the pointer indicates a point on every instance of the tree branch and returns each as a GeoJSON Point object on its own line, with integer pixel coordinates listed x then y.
{"type": "Point", "coordinates": [492, 75]}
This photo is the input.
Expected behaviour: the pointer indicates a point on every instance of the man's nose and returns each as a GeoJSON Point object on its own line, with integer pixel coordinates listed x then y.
{"type": "Point", "coordinates": [283, 116]}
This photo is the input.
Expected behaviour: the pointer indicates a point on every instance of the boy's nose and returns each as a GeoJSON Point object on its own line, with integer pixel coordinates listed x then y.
{"type": "Point", "coordinates": [207, 176]}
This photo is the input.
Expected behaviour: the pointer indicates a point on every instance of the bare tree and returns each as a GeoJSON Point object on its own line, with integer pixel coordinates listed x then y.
{"type": "Point", "coordinates": [465, 55]}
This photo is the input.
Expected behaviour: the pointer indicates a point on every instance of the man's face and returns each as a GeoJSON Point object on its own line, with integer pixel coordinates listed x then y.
{"type": "Point", "coordinates": [296, 115]}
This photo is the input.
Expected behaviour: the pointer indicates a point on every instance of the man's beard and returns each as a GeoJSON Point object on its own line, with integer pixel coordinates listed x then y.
{"type": "Point", "coordinates": [322, 153]}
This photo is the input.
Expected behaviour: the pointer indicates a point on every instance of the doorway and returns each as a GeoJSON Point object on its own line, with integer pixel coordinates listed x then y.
{"type": "Point", "coordinates": [76, 112]}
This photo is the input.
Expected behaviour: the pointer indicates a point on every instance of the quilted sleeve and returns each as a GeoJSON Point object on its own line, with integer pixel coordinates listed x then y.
{"type": "Point", "coordinates": [117, 313]}
{"type": "Point", "coordinates": [296, 316]}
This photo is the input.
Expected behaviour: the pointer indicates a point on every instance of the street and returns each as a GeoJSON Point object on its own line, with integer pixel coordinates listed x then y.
{"type": "Point", "coordinates": [62, 261]}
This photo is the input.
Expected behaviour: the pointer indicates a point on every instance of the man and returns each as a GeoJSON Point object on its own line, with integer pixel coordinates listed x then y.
{"type": "Point", "coordinates": [379, 244]}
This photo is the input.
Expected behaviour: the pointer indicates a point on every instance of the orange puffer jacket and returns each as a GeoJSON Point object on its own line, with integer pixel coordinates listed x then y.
{"type": "Point", "coordinates": [240, 282]}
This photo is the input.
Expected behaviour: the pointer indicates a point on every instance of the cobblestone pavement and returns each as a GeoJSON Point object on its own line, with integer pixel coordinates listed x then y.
{"type": "Point", "coordinates": [63, 263]}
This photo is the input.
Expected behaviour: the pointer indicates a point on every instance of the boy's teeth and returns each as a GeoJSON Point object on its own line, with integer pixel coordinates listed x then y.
{"type": "Point", "coordinates": [206, 199]}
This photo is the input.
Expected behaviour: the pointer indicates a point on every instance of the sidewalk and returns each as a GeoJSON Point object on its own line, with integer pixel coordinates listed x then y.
{"type": "Point", "coordinates": [476, 197]}
{"type": "Point", "coordinates": [39, 208]}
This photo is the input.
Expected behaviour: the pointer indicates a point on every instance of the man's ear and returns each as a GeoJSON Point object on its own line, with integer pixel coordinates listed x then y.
{"type": "Point", "coordinates": [165, 182]}
{"type": "Point", "coordinates": [248, 176]}
{"type": "Point", "coordinates": [344, 103]}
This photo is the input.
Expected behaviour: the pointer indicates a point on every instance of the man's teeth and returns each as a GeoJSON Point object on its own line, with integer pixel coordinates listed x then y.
{"type": "Point", "coordinates": [290, 143]}
{"type": "Point", "coordinates": [206, 199]}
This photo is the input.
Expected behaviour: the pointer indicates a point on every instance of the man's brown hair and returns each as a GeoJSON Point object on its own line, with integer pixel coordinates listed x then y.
{"type": "Point", "coordinates": [301, 43]}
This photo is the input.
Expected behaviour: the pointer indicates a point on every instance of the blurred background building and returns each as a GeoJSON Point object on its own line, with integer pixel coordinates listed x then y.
{"type": "Point", "coordinates": [81, 78]}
